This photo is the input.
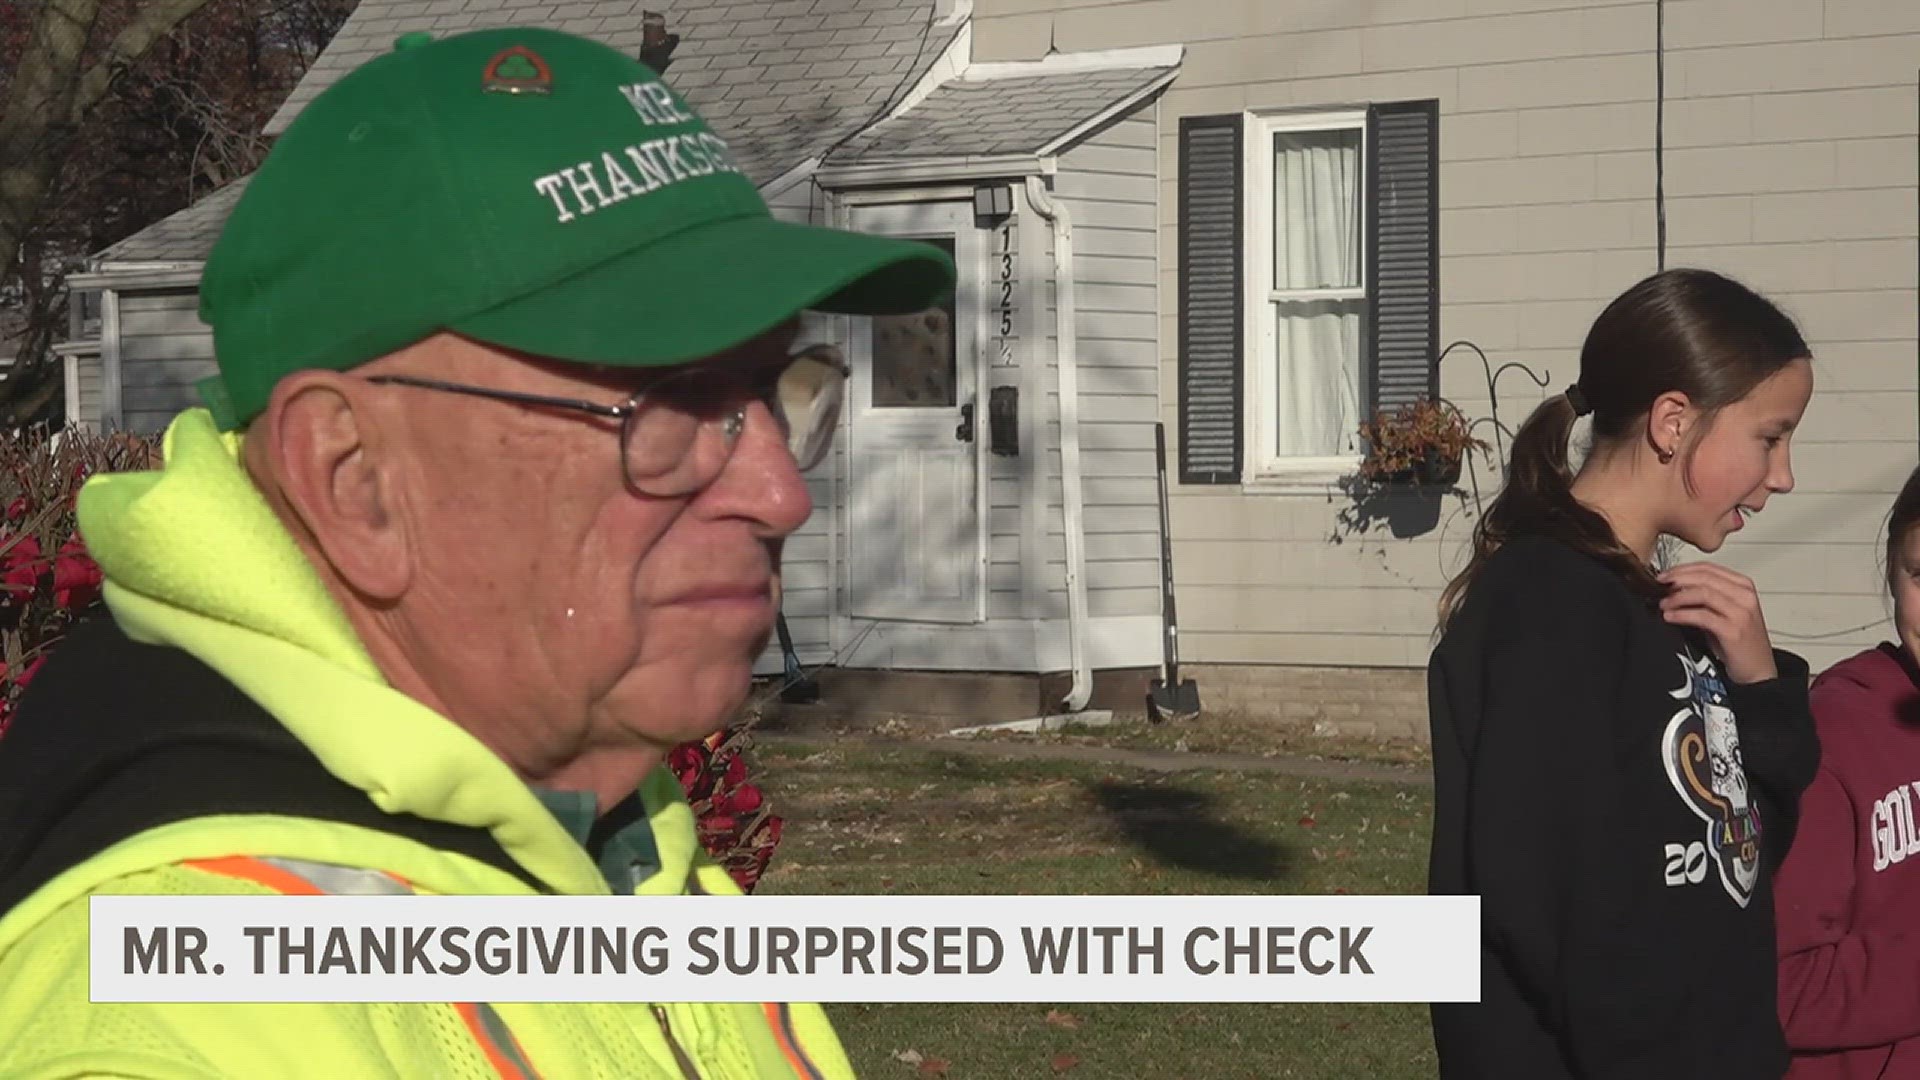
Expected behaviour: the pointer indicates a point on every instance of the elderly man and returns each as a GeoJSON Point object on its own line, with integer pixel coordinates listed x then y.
{"type": "Point", "coordinates": [484, 516]}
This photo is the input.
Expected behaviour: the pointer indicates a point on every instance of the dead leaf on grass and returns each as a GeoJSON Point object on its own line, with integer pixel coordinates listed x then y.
{"type": "Point", "coordinates": [1062, 1019]}
{"type": "Point", "coordinates": [933, 1067]}
{"type": "Point", "coordinates": [910, 1057]}
{"type": "Point", "coordinates": [1063, 1062]}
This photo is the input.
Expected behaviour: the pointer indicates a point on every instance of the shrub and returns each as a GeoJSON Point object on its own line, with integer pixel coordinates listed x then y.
{"type": "Point", "coordinates": [737, 827]}
{"type": "Point", "coordinates": [48, 581]}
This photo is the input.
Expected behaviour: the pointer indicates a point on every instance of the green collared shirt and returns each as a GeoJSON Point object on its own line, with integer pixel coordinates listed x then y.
{"type": "Point", "coordinates": [621, 843]}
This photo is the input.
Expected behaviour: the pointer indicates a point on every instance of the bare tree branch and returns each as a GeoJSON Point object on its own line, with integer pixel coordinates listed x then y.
{"type": "Point", "coordinates": [155, 21]}
{"type": "Point", "coordinates": [113, 114]}
{"type": "Point", "coordinates": [47, 85]}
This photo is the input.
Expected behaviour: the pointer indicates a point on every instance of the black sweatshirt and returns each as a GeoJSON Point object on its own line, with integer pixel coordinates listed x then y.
{"type": "Point", "coordinates": [1589, 788]}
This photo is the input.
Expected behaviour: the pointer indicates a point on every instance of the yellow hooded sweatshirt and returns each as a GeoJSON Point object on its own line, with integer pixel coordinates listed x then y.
{"type": "Point", "coordinates": [225, 732]}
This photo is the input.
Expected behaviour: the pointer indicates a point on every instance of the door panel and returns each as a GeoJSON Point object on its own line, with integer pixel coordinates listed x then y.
{"type": "Point", "coordinates": [914, 542]}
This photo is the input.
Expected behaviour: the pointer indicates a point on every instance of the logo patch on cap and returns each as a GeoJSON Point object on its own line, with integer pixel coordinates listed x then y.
{"type": "Point", "coordinates": [517, 70]}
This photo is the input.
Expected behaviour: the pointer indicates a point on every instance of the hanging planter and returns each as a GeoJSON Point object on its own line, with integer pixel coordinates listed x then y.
{"type": "Point", "coordinates": [1422, 442]}
{"type": "Point", "coordinates": [1438, 467]}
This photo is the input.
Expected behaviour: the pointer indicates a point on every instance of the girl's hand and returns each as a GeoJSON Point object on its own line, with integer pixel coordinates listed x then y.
{"type": "Point", "coordinates": [1726, 606]}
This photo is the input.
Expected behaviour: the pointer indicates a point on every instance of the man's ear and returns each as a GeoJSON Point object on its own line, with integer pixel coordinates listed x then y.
{"type": "Point", "coordinates": [326, 450]}
{"type": "Point", "coordinates": [1668, 423]}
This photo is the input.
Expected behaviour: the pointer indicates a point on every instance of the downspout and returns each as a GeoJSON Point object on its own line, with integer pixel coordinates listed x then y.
{"type": "Point", "coordinates": [1070, 495]}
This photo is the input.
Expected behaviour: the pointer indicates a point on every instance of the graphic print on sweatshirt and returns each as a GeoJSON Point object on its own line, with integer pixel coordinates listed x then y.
{"type": "Point", "coordinates": [1701, 750]}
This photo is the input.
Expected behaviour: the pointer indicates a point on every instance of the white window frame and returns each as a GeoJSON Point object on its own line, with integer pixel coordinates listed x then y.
{"type": "Point", "coordinates": [1264, 470]}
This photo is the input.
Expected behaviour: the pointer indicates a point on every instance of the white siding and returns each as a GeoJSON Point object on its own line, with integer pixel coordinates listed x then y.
{"type": "Point", "coordinates": [1108, 187]}
{"type": "Point", "coordinates": [164, 350]}
{"type": "Point", "coordinates": [1790, 163]}
{"type": "Point", "coordinates": [84, 410]}
{"type": "Point", "coordinates": [805, 564]}
{"type": "Point", "coordinates": [1018, 580]}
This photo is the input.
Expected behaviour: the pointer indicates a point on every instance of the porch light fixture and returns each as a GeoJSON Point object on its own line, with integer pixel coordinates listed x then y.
{"type": "Point", "coordinates": [993, 201]}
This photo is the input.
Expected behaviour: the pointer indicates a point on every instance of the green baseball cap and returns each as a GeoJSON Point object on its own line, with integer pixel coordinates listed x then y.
{"type": "Point", "coordinates": [532, 189]}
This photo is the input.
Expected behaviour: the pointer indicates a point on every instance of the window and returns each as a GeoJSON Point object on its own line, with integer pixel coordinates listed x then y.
{"type": "Point", "coordinates": [915, 356]}
{"type": "Point", "coordinates": [1308, 271]}
{"type": "Point", "coordinates": [1308, 286]}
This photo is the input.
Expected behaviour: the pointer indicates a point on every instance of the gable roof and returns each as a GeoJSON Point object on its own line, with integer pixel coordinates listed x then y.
{"type": "Point", "coordinates": [785, 82]}
{"type": "Point", "coordinates": [780, 80]}
{"type": "Point", "coordinates": [986, 117]}
{"type": "Point", "coordinates": [184, 236]}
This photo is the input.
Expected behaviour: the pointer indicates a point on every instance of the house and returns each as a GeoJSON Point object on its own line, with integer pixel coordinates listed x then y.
{"type": "Point", "coordinates": [1490, 173]}
{"type": "Point", "coordinates": [1480, 177]}
{"type": "Point", "coordinates": [991, 506]}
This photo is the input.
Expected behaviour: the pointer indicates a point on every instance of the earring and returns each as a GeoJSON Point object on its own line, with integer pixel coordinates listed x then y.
{"type": "Point", "coordinates": [1665, 455]}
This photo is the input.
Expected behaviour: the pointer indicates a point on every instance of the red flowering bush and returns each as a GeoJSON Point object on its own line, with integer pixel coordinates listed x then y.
{"type": "Point", "coordinates": [737, 827]}
{"type": "Point", "coordinates": [47, 581]}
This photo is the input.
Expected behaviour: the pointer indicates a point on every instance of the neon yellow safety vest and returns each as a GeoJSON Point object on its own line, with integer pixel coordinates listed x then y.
{"type": "Point", "coordinates": [224, 732]}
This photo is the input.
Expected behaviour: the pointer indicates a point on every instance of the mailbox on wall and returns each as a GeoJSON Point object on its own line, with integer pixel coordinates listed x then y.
{"type": "Point", "coordinates": [1003, 419]}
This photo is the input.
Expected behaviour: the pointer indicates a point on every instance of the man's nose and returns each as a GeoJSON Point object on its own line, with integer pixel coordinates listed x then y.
{"type": "Point", "coordinates": [761, 481]}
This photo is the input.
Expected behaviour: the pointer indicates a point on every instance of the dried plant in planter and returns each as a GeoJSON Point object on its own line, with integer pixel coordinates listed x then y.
{"type": "Point", "coordinates": [48, 581]}
{"type": "Point", "coordinates": [1423, 441]}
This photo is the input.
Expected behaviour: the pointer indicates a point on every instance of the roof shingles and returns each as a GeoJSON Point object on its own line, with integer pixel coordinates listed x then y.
{"type": "Point", "coordinates": [186, 236]}
{"type": "Point", "coordinates": [780, 81]}
{"type": "Point", "coordinates": [765, 53]}
{"type": "Point", "coordinates": [968, 118]}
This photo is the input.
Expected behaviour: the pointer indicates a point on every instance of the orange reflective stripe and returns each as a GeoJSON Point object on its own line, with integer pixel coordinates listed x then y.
{"type": "Point", "coordinates": [778, 1020]}
{"type": "Point", "coordinates": [249, 869]}
{"type": "Point", "coordinates": [507, 1059]}
{"type": "Point", "coordinates": [503, 1052]}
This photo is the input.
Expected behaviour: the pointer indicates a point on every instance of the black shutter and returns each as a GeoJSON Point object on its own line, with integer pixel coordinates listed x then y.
{"type": "Point", "coordinates": [1212, 298]}
{"type": "Point", "coordinates": [1403, 152]}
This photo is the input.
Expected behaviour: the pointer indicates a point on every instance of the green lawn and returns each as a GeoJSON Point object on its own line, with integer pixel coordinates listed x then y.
{"type": "Point", "coordinates": [920, 819]}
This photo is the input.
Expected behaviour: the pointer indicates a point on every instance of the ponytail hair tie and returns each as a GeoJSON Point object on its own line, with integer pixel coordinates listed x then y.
{"type": "Point", "coordinates": [1578, 399]}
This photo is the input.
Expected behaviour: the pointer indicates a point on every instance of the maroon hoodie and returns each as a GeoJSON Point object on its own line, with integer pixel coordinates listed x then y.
{"type": "Point", "coordinates": [1847, 898]}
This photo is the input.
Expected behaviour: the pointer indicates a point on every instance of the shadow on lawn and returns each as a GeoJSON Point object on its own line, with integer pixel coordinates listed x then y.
{"type": "Point", "coordinates": [1179, 827]}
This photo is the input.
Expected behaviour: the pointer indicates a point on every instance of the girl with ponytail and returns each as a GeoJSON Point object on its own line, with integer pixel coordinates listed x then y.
{"type": "Point", "coordinates": [1619, 751]}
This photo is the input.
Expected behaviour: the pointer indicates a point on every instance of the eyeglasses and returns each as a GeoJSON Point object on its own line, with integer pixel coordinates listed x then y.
{"type": "Point", "coordinates": [677, 435]}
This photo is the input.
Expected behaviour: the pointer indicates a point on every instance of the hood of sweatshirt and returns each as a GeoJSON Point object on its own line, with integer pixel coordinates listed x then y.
{"type": "Point", "coordinates": [1881, 683]}
{"type": "Point", "coordinates": [229, 687]}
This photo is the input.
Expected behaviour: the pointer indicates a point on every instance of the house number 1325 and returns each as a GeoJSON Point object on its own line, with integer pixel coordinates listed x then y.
{"type": "Point", "coordinates": [1005, 283]}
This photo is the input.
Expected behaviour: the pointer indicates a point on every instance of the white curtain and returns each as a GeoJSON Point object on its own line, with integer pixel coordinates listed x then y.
{"type": "Point", "coordinates": [1316, 245]}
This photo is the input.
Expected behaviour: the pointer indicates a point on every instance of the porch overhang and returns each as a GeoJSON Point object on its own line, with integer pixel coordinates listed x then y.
{"type": "Point", "coordinates": [127, 277]}
{"type": "Point", "coordinates": [936, 170]}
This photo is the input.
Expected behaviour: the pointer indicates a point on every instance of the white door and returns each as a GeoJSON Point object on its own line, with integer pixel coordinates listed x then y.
{"type": "Point", "coordinates": [915, 543]}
